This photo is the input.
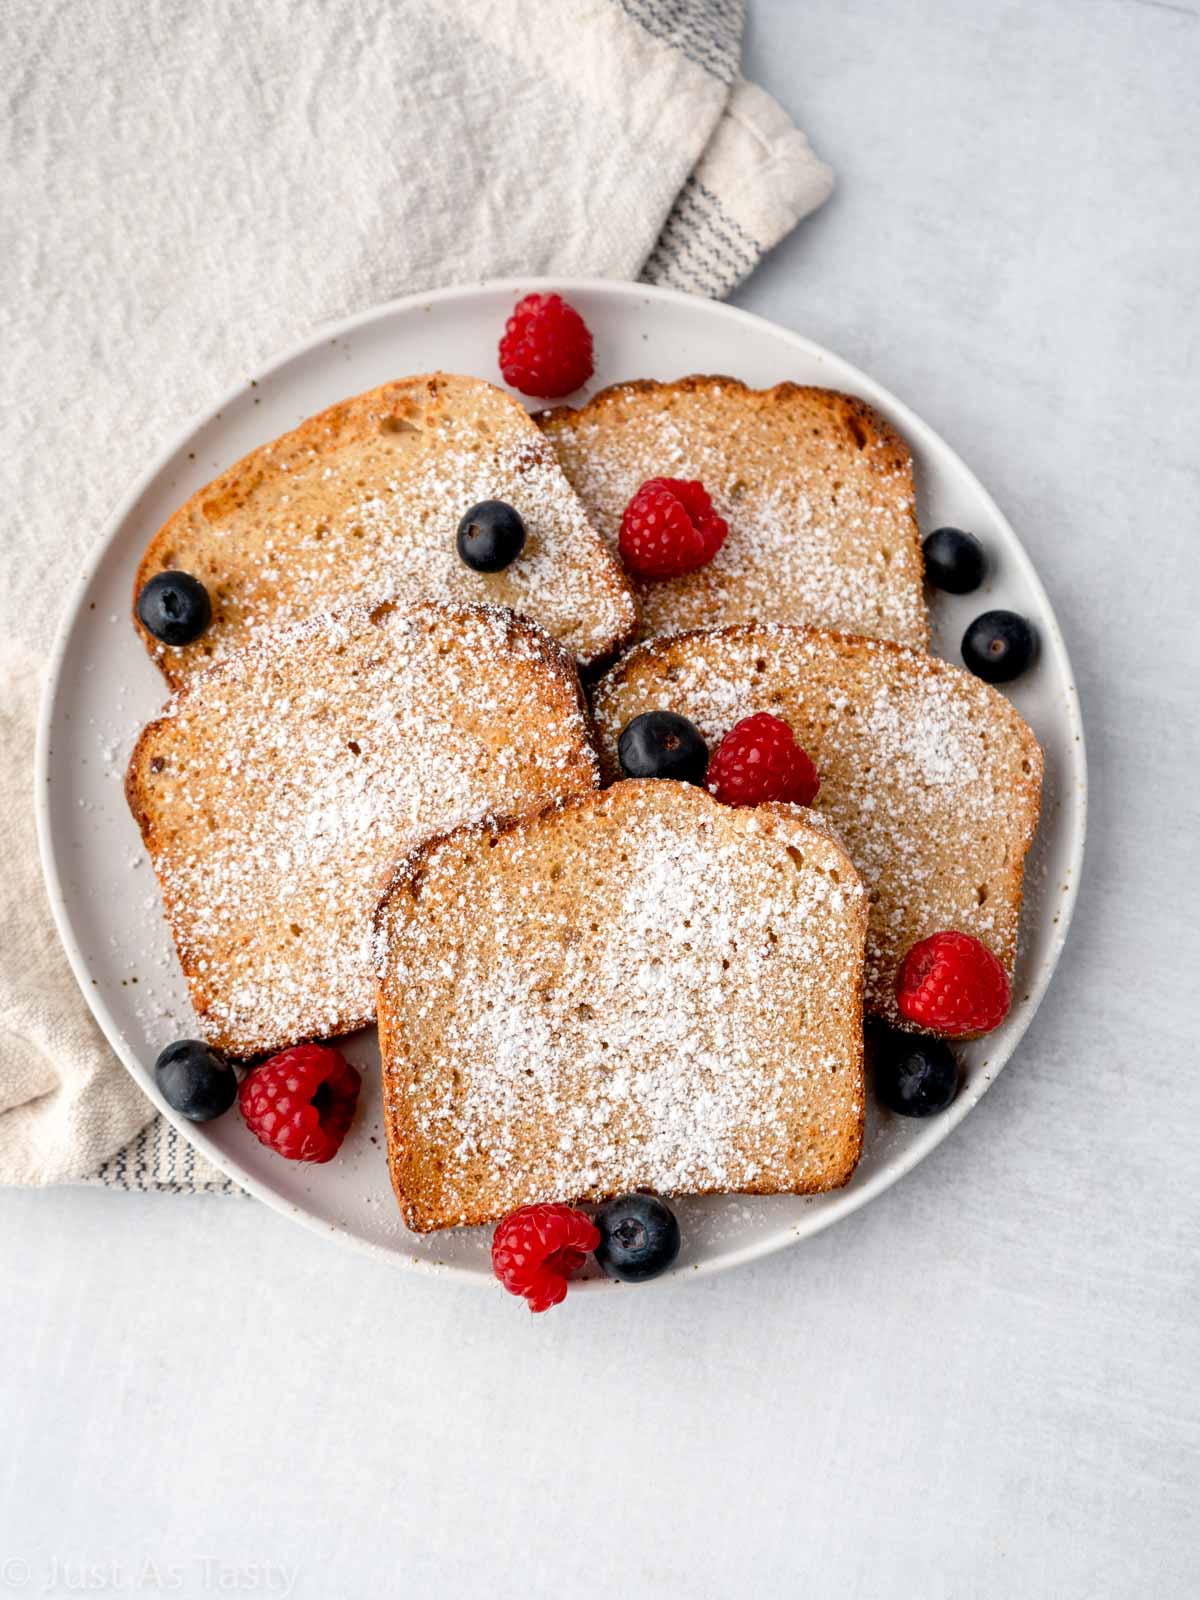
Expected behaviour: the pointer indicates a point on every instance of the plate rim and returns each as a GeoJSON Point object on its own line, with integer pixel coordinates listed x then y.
{"type": "Point", "coordinates": [841, 1203]}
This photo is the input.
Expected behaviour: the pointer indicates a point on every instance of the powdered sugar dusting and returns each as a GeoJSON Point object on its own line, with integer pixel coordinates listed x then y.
{"type": "Point", "coordinates": [929, 776]}
{"type": "Point", "coordinates": [282, 788]}
{"type": "Point", "coordinates": [820, 531]}
{"type": "Point", "coordinates": [669, 1000]}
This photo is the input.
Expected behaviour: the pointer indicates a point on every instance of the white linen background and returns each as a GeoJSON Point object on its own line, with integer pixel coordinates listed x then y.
{"type": "Point", "coordinates": [189, 188]}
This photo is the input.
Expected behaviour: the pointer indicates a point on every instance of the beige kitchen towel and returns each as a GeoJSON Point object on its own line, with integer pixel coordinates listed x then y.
{"type": "Point", "coordinates": [187, 188]}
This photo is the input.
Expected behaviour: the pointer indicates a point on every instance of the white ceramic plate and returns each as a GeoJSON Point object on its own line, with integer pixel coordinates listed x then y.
{"type": "Point", "coordinates": [102, 688]}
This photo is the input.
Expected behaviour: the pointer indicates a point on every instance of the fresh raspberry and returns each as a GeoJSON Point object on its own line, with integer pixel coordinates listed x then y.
{"type": "Point", "coordinates": [670, 527]}
{"type": "Point", "coordinates": [538, 1248]}
{"type": "Point", "coordinates": [952, 984]}
{"type": "Point", "coordinates": [546, 349]}
{"type": "Point", "coordinates": [300, 1102]}
{"type": "Point", "coordinates": [759, 760]}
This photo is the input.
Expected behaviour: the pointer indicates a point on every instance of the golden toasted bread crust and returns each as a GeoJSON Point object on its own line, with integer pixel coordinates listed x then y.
{"type": "Point", "coordinates": [930, 776]}
{"type": "Point", "coordinates": [364, 499]}
{"type": "Point", "coordinates": [494, 1095]}
{"type": "Point", "coordinates": [847, 407]}
{"type": "Point", "coordinates": [816, 486]}
{"type": "Point", "coordinates": [278, 790]}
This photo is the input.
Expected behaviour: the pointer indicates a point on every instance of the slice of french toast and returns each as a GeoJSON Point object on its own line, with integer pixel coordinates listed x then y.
{"type": "Point", "coordinates": [639, 988]}
{"type": "Point", "coordinates": [364, 501]}
{"type": "Point", "coordinates": [278, 791]}
{"type": "Point", "coordinates": [929, 775]}
{"type": "Point", "coordinates": [817, 489]}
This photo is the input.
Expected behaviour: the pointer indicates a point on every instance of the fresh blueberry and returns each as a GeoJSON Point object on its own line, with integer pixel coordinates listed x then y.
{"type": "Point", "coordinates": [998, 646]}
{"type": "Point", "coordinates": [662, 744]}
{"type": "Point", "coordinates": [954, 560]}
{"type": "Point", "coordinates": [639, 1237]}
{"type": "Point", "coordinates": [195, 1081]}
{"type": "Point", "coordinates": [913, 1075]}
{"type": "Point", "coordinates": [174, 607]}
{"type": "Point", "coordinates": [490, 536]}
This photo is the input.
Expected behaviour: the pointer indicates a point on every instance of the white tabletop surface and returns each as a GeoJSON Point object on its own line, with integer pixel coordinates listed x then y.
{"type": "Point", "coordinates": [986, 1383]}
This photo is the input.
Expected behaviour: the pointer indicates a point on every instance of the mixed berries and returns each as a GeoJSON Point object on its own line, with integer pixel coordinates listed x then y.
{"type": "Point", "coordinates": [300, 1103]}
{"type": "Point", "coordinates": [951, 983]}
{"type": "Point", "coordinates": [537, 1250]}
{"type": "Point", "coordinates": [669, 528]}
{"type": "Point", "coordinates": [759, 761]}
{"type": "Point", "coordinates": [546, 349]}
